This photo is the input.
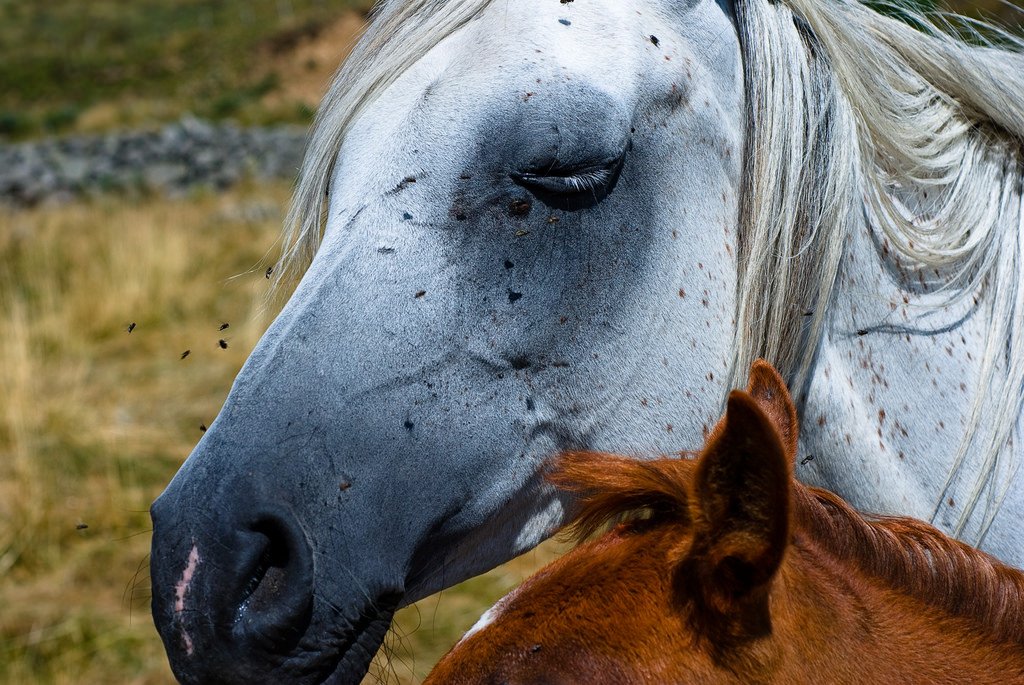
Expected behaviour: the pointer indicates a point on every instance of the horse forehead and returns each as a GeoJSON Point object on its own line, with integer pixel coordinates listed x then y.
{"type": "Point", "coordinates": [600, 51]}
{"type": "Point", "coordinates": [514, 44]}
{"type": "Point", "coordinates": [599, 36]}
{"type": "Point", "coordinates": [529, 25]}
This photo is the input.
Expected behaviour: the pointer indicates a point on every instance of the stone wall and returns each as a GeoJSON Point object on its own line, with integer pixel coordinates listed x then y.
{"type": "Point", "coordinates": [172, 160]}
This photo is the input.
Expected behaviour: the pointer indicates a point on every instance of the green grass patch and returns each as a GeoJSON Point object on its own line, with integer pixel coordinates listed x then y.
{"type": "Point", "coordinates": [61, 56]}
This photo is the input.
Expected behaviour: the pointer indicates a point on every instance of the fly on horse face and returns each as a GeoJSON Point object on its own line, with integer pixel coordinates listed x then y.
{"type": "Point", "coordinates": [536, 226]}
{"type": "Point", "coordinates": [740, 574]}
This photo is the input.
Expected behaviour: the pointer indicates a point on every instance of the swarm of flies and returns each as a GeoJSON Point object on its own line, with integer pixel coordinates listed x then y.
{"type": "Point", "coordinates": [221, 343]}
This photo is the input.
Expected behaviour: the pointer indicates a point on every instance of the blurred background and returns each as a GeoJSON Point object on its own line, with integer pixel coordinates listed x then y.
{"type": "Point", "coordinates": [146, 155]}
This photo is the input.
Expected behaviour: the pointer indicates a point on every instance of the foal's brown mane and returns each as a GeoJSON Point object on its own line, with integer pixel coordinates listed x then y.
{"type": "Point", "coordinates": [917, 559]}
{"type": "Point", "coordinates": [611, 488]}
{"type": "Point", "coordinates": [908, 555]}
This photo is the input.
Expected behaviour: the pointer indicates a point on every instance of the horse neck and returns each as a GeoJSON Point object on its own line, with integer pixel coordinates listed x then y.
{"type": "Point", "coordinates": [896, 333]}
{"type": "Point", "coordinates": [904, 588]}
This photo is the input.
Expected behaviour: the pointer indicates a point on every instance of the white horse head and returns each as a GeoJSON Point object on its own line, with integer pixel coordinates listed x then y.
{"type": "Point", "coordinates": [567, 224]}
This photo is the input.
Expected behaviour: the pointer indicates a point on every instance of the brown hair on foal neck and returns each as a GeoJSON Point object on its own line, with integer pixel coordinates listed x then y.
{"type": "Point", "coordinates": [736, 573]}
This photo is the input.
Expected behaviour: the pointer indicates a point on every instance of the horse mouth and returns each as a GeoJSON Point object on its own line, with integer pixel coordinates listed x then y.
{"type": "Point", "coordinates": [353, 659]}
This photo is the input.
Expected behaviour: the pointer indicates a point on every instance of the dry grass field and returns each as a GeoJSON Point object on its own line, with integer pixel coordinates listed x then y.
{"type": "Point", "coordinates": [95, 420]}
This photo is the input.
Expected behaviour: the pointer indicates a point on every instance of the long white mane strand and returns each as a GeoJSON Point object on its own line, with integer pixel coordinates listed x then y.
{"type": "Point", "coordinates": [845, 107]}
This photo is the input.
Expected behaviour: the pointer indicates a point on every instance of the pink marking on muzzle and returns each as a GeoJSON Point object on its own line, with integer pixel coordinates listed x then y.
{"type": "Point", "coordinates": [181, 589]}
{"type": "Point", "coordinates": [186, 579]}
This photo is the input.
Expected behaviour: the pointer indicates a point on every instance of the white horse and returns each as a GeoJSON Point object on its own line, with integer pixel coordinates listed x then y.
{"type": "Point", "coordinates": [558, 224]}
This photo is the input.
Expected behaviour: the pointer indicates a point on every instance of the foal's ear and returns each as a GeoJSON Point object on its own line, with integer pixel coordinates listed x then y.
{"type": "Point", "coordinates": [742, 507]}
{"type": "Point", "coordinates": [770, 392]}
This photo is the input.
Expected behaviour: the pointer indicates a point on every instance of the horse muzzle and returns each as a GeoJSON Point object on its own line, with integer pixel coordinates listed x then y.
{"type": "Point", "coordinates": [231, 603]}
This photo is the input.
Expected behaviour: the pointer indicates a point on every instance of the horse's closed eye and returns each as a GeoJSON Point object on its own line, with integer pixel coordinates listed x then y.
{"type": "Point", "coordinates": [586, 183]}
{"type": "Point", "coordinates": [565, 182]}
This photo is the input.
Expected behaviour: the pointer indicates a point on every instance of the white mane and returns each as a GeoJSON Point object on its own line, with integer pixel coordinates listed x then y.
{"type": "Point", "coordinates": [844, 107]}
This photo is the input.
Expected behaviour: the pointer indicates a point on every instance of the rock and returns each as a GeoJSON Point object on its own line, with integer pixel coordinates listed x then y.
{"type": "Point", "coordinates": [163, 176]}
{"type": "Point", "coordinates": [189, 154]}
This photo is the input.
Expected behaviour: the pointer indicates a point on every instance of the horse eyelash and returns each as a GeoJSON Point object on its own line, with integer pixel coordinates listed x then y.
{"type": "Point", "coordinates": [589, 181]}
{"type": "Point", "coordinates": [584, 181]}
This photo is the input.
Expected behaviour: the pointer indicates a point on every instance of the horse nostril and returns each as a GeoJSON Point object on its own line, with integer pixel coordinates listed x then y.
{"type": "Point", "coordinates": [275, 602]}
{"type": "Point", "coordinates": [267, 580]}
